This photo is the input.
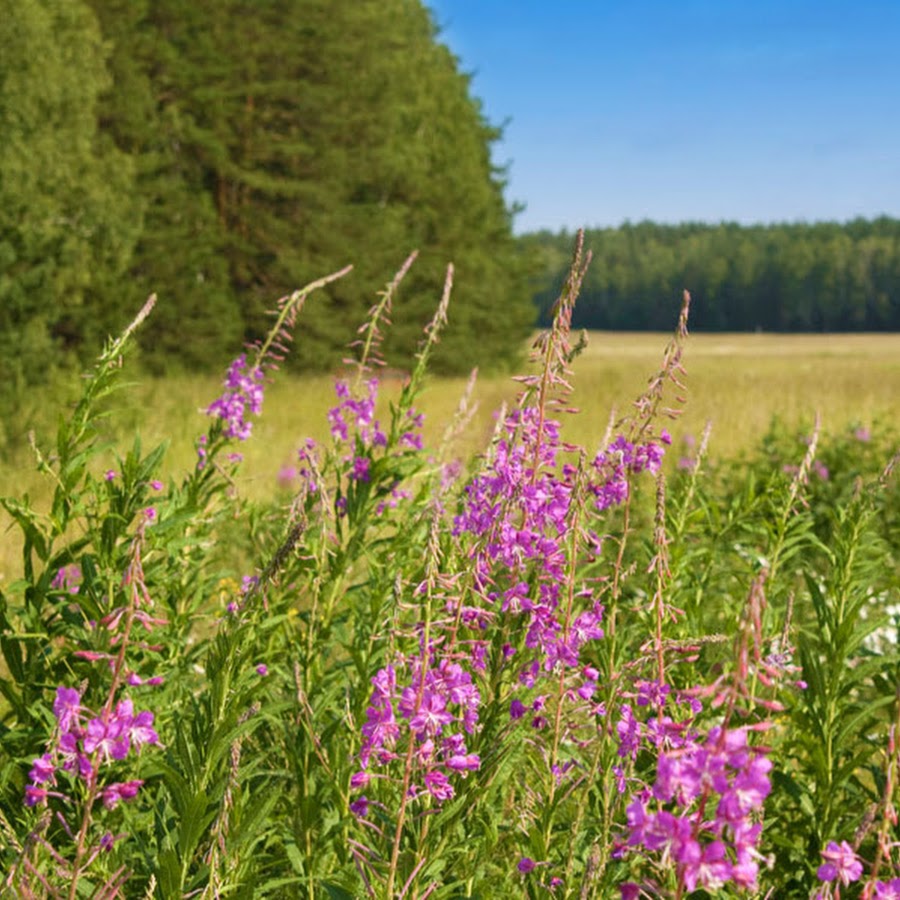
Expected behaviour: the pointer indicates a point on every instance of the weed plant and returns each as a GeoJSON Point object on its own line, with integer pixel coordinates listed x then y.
{"type": "Point", "coordinates": [546, 671]}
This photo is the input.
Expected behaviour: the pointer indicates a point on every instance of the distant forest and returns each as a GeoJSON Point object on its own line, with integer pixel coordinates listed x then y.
{"type": "Point", "coordinates": [784, 277]}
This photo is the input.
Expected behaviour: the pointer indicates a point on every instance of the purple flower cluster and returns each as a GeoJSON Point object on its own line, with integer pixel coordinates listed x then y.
{"type": "Point", "coordinates": [841, 864]}
{"type": "Point", "coordinates": [353, 422]}
{"type": "Point", "coordinates": [68, 578]}
{"type": "Point", "coordinates": [887, 890]}
{"type": "Point", "coordinates": [243, 393]}
{"type": "Point", "coordinates": [618, 462]}
{"type": "Point", "coordinates": [358, 414]}
{"type": "Point", "coordinates": [659, 732]}
{"type": "Point", "coordinates": [411, 439]}
{"type": "Point", "coordinates": [699, 814]}
{"type": "Point", "coordinates": [434, 712]}
{"type": "Point", "coordinates": [84, 744]}
{"type": "Point", "coordinates": [519, 510]}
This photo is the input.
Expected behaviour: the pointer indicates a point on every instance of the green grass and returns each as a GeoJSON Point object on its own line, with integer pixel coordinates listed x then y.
{"type": "Point", "coordinates": [745, 601]}
{"type": "Point", "coordinates": [738, 382]}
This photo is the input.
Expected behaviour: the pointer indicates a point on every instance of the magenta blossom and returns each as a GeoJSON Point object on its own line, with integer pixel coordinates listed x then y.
{"type": "Point", "coordinates": [68, 578]}
{"type": "Point", "coordinates": [841, 864]}
{"type": "Point", "coordinates": [243, 394]}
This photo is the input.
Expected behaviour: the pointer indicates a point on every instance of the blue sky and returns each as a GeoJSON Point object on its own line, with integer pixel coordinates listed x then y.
{"type": "Point", "coordinates": [675, 110]}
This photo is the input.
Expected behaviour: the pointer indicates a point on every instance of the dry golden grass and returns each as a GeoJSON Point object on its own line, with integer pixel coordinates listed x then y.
{"type": "Point", "coordinates": [738, 382]}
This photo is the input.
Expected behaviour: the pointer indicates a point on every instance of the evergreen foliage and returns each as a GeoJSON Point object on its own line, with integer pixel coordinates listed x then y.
{"type": "Point", "coordinates": [784, 277]}
{"type": "Point", "coordinates": [68, 214]}
{"type": "Point", "coordinates": [282, 139]}
{"type": "Point", "coordinates": [221, 152]}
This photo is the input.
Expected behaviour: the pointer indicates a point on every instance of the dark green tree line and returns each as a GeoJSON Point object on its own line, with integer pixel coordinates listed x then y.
{"type": "Point", "coordinates": [68, 215]}
{"type": "Point", "coordinates": [783, 277]}
{"type": "Point", "coordinates": [224, 152]}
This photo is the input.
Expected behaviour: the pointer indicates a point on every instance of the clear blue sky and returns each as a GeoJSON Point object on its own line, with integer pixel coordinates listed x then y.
{"type": "Point", "coordinates": [675, 110]}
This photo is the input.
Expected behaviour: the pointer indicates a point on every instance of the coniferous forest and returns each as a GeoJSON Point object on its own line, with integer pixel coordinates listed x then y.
{"type": "Point", "coordinates": [784, 277]}
{"type": "Point", "coordinates": [221, 153]}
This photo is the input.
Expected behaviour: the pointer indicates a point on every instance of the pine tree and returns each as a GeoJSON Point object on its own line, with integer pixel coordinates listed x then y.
{"type": "Point", "coordinates": [301, 135]}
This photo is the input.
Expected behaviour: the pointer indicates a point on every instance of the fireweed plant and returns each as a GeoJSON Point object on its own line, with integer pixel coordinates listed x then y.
{"type": "Point", "coordinates": [549, 671]}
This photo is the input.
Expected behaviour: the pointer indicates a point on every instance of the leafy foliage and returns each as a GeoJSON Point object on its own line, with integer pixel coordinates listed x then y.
{"type": "Point", "coordinates": [220, 153]}
{"type": "Point", "coordinates": [68, 215]}
{"type": "Point", "coordinates": [553, 674]}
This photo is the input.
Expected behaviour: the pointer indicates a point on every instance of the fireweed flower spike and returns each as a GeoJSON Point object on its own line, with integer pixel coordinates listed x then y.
{"type": "Point", "coordinates": [700, 813]}
{"type": "Point", "coordinates": [243, 394]}
{"type": "Point", "coordinates": [436, 710]}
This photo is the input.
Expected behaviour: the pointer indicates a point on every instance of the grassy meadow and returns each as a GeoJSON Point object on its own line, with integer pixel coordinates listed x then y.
{"type": "Point", "coordinates": [737, 382]}
{"type": "Point", "coordinates": [337, 651]}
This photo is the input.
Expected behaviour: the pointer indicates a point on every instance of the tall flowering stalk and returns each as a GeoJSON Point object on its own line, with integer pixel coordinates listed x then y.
{"type": "Point", "coordinates": [417, 679]}
{"type": "Point", "coordinates": [245, 380]}
{"type": "Point", "coordinates": [83, 765]}
{"type": "Point", "coordinates": [519, 622]}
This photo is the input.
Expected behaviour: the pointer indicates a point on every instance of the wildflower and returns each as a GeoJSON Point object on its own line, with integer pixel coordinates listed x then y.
{"type": "Point", "coordinates": [286, 477]}
{"type": "Point", "coordinates": [709, 852]}
{"type": "Point", "coordinates": [359, 780]}
{"type": "Point", "coordinates": [42, 769]}
{"type": "Point", "coordinates": [464, 762]}
{"type": "Point", "coordinates": [361, 467]}
{"type": "Point", "coordinates": [134, 680]}
{"type": "Point", "coordinates": [617, 462]}
{"type": "Point", "coordinates": [887, 890]}
{"type": "Point", "coordinates": [432, 715]}
{"type": "Point", "coordinates": [841, 864]}
{"type": "Point", "coordinates": [526, 865]}
{"type": "Point", "coordinates": [201, 452]}
{"type": "Point", "coordinates": [358, 413]}
{"type": "Point", "coordinates": [110, 475]}
{"type": "Point", "coordinates": [438, 785]}
{"type": "Point", "coordinates": [262, 670]}
{"type": "Point", "coordinates": [35, 795]}
{"type": "Point", "coordinates": [108, 738]}
{"type": "Point", "coordinates": [67, 707]}
{"type": "Point", "coordinates": [113, 793]}
{"type": "Point", "coordinates": [156, 485]}
{"type": "Point", "coordinates": [243, 393]}
{"type": "Point", "coordinates": [68, 578]}
{"type": "Point", "coordinates": [109, 839]}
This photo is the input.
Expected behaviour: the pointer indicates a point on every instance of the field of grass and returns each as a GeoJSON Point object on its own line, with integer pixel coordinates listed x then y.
{"type": "Point", "coordinates": [537, 680]}
{"type": "Point", "coordinates": [738, 382]}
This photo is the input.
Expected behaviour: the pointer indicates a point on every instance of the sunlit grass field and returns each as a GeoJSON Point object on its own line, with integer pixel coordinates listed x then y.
{"type": "Point", "coordinates": [738, 382]}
